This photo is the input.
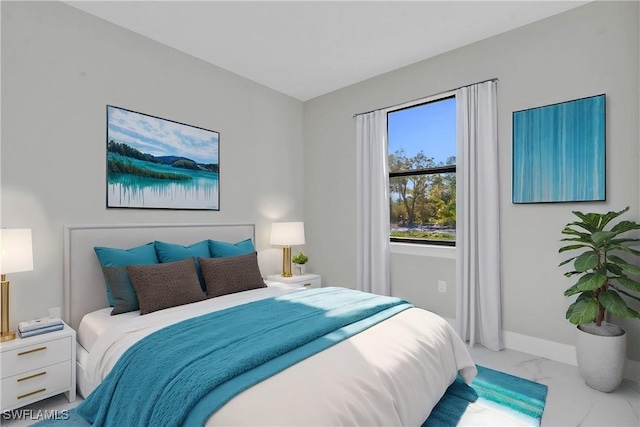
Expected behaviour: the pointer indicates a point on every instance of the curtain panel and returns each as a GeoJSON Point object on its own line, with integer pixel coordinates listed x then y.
{"type": "Point", "coordinates": [372, 210]}
{"type": "Point", "coordinates": [478, 281]}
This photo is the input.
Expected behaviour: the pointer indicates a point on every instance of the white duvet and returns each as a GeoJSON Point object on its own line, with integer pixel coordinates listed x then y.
{"type": "Point", "coordinates": [389, 375]}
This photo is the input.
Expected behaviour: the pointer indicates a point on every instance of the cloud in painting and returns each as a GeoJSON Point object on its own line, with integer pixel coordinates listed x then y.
{"type": "Point", "coordinates": [161, 137]}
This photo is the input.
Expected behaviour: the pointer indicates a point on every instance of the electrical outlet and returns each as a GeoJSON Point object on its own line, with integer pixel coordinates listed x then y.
{"type": "Point", "coordinates": [442, 286]}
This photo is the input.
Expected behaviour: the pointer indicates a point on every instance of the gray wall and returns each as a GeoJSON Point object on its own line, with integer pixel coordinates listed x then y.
{"type": "Point", "coordinates": [60, 68]}
{"type": "Point", "coordinates": [587, 51]}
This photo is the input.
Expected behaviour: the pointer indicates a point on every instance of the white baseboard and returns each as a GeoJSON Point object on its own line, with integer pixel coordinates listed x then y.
{"type": "Point", "coordinates": [539, 347]}
{"type": "Point", "coordinates": [559, 352]}
{"type": "Point", "coordinates": [555, 351]}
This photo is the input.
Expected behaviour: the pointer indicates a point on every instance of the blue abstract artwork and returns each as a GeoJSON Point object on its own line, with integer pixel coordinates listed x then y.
{"type": "Point", "coordinates": [559, 152]}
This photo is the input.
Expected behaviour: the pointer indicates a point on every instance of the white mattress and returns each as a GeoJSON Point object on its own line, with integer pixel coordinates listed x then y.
{"type": "Point", "coordinates": [95, 323]}
{"type": "Point", "coordinates": [82, 384]}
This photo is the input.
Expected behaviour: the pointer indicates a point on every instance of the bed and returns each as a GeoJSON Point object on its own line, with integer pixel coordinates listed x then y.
{"type": "Point", "coordinates": [391, 373]}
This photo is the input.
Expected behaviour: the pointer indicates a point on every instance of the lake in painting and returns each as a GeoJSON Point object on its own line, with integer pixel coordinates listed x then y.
{"type": "Point", "coordinates": [200, 192]}
{"type": "Point", "coordinates": [158, 163]}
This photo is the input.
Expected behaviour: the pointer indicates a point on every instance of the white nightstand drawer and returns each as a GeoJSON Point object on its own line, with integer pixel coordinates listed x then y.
{"type": "Point", "coordinates": [28, 358]}
{"type": "Point", "coordinates": [313, 283]}
{"type": "Point", "coordinates": [306, 281]}
{"type": "Point", "coordinates": [31, 386]}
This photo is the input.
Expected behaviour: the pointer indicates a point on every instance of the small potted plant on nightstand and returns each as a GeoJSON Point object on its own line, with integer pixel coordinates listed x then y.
{"type": "Point", "coordinates": [603, 280]}
{"type": "Point", "coordinates": [299, 259]}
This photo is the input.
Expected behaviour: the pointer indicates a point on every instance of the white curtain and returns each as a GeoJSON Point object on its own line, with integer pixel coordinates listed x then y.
{"type": "Point", "coordinates": [478, 307]}
{"type": "Point", "coordinates": [372, 195]}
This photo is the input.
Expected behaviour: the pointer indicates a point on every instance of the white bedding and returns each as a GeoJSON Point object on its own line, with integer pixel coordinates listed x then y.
{"type": "Point", "coordinates": [391, 374]}
{"type": "Point", "coordinates": [95, 323]}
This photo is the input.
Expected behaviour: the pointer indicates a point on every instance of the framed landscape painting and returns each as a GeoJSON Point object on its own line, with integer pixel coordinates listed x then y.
{"type": "Point", "coordinates": [559, 152]}
{"type": "Point", "coordinates": [160, 164]}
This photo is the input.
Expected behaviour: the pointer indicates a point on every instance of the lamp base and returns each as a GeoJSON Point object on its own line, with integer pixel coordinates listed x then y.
{"type": "Point", "coordinates": [286, 262]}
{"type": "Point", "coordinates": [5, 333]}
{"type": "Point", "coordinates": [8, 336]}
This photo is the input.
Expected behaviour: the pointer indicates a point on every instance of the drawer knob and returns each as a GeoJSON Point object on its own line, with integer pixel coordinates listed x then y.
{"type": "Point", "coordinates": [32, 351]}
{"type": "Point", "coordinates": [32, 376]}
{"type": "Point", "coordinates": [32, 393]}
{"type": "Point", "coordinates": [306, 285]}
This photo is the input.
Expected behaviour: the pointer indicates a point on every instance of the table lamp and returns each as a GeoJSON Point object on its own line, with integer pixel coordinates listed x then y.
{"type": "Point", "coordinates": [287, 234]}
{"type": "Point", "coordinates": [16, 255]}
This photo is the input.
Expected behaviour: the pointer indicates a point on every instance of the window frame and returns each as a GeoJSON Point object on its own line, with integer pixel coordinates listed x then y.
{"type": "Point", "coordinates": [428, 171]}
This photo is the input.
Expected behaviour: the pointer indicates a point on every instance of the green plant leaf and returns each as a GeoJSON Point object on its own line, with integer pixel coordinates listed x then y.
{"type": "Point", "coordinates": [600, 237]}
{"type": "Point", "coordinates": [616, 259]}
{"type": "Point", "coordinates": [576, 239]}
{"type": "Point", "coordinates": [624, 226]}
{"type": "Point", "coordinates": [591, 281]}
{"type": "Point", "coordinates": [572, 291]}
{"type": "Point", "coordinates": [567, 261]}
{"type": "Point", "coordinates": [633, 313]}
{"type": "Point", "coordinates": [585, 296]}
{"type": "Point", "coordinates": [629, 283]}
{"type": "Point", "coordinates": [624, 249]}
{"type": "Point", "coordinates": [613, 303]}
{"type": "Point", "coordinates": [589, 228]}
{"type": "Point", "coordinates": [582, 312]}
{"type": "Point", "coordinates": [628, 294]}
{"type": "Point", "coordinates": [606, 218]}
{"type": "Point", "coordinates": [630, 268]}
{"type": "Point", "coordinates": [614, 268]}
{"type": "Point", "coordinates": [625, 240]}
{"type": "Point", "coordinates": [571, 247]}
{"type": "Point", "coordinates": [567, 315]}
{"type": "Point", "coordinates": [587, 261]}
{"type": "Point", "coordinates": [571, 231]}
{"type": "Point", "coordinates": [571, 273]}
{"type": "Point", "coordinates": [590, 219]}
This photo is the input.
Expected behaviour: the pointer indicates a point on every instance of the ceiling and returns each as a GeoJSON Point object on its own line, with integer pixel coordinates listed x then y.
{"type": "Point", "coordinates": [307, 49]}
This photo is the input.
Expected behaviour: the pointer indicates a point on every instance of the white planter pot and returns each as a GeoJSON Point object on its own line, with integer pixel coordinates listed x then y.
{"type": "Point", "coordinates": [299, 269]}
{"type": "Point", "coordinates": [601, 358]}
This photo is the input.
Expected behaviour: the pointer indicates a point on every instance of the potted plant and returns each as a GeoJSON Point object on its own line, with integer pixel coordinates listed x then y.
{"type": "Point", "coordinates": [604, 281]}
{"type": "Point", "coordinates": [299, 259]}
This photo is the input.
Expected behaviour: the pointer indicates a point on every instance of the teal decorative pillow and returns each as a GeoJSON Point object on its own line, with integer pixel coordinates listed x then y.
{"type": "Point", "coordinates": [113, 257]}
{"type": "Point", "coordinates": [224, 249]}
{"type": "Point", "coordinates": [170, 252]}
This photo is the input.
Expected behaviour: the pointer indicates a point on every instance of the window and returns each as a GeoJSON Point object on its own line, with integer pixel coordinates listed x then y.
{"type": "Point", "coordinates": [422, 172]}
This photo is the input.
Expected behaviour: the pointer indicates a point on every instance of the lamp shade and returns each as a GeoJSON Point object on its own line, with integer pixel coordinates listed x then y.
{"type": "Point", "coordinates": [16, 252]}
{"type": "Point", "coordinates": [287, 233]}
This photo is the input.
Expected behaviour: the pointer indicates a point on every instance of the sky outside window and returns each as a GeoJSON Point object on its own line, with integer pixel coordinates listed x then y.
{"type": "Point", "coordinates": [430, 127]}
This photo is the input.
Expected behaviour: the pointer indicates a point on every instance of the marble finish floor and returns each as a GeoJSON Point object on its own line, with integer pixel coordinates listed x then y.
{"type": "Point", "coordinates": [570, 402]}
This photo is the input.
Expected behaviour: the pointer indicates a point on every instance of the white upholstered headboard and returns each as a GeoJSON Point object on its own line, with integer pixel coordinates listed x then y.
{"type": "Point", "coordinates": [84, 288]}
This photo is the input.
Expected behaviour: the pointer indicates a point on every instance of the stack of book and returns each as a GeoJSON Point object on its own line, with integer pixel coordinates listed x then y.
{"type": "Point", "coordinates": [39, 326]}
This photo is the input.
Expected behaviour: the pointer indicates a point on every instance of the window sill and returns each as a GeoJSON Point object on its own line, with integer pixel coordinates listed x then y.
{"type": "Point", "coordinates": [433, 251]}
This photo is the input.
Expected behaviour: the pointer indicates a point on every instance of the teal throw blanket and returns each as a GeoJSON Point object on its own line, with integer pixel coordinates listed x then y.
{"type": "Point", "coordinates": [183, 373]}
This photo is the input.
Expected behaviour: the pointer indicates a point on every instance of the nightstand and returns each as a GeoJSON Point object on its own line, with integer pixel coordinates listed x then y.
{"type": "Point", "coordinates": [303, 281]}
{"type": "Point", "coordinates": [38, 367]}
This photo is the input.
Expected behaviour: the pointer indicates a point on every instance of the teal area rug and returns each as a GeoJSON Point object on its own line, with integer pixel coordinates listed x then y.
{"type": "Point", "coordinates": [516, 396]}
